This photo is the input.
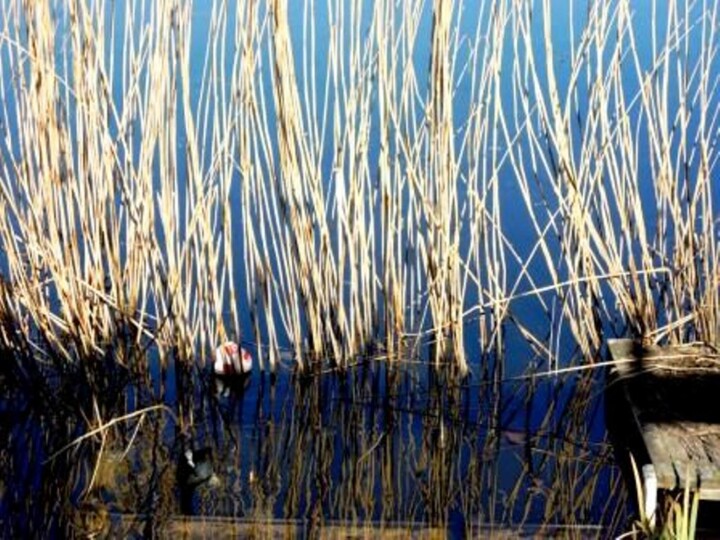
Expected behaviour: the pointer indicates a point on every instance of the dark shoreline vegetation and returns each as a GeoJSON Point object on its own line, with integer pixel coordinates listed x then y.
{"type": "Point", "coordinates": [469, 192]}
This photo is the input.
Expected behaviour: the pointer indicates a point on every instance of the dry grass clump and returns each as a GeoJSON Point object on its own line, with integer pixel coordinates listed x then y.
{"type": "Point", "coordinates": [376, 173]}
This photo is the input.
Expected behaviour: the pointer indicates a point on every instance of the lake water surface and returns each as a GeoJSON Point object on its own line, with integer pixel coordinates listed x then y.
{"type": "Point", "coordinates": [390, 444]}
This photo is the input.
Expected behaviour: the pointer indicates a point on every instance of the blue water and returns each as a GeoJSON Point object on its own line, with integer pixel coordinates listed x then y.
{"type": "Point", "coordinates": [356, 449]}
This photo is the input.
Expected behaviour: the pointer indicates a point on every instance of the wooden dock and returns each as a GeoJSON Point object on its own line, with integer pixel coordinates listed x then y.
{"type": "Point", "coordinates": [673, 395]}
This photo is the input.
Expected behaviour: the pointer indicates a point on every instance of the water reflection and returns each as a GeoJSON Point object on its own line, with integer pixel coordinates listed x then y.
{"type": "Point", "coordinates": [397, 450]}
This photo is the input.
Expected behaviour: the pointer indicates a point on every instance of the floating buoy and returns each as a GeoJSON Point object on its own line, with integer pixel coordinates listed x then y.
{"type": "Point", "coordinates": [231, 359]}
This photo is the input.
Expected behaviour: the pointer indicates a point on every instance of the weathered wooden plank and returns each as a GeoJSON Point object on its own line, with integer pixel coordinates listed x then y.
{"type": "Point", "coordinates": [201, 527]}
{"type": "Point", "coordinates": [672, 393]}
{"type": "Point", "coordinates": [663, 462]}
{"type": "Point", "coordinates": [197, 527]}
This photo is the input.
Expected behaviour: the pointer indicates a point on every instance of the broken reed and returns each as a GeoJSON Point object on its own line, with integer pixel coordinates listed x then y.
{"type": "Point", "coordinates": [365, 208]}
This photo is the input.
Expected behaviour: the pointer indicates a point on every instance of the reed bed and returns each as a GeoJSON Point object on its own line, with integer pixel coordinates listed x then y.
{"type": "Point", "coordinates": [376, 176]}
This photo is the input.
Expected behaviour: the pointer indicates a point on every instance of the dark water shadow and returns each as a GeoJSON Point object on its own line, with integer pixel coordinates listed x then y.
{"type": "Point", "coordinates": [398, 450]}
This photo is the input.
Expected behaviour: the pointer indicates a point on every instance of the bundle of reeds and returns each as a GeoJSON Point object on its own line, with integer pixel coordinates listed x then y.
{"type": "Point", "coordinates": [368, 172]}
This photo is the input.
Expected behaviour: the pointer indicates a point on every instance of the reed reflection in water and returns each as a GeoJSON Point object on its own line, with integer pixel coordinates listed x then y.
{"type": "Point", "coordinates": [400, 451]}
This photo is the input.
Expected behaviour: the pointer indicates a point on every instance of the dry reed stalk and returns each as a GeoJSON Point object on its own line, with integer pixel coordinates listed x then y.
{"type": "Point", "coordinates": [365, 207]}
{"type": "Point", "coordinates": [441, 241]}
{"type": "Point", "coordinates": [390, 191]}
{"type": "Point", "coordinates": [300, 232]}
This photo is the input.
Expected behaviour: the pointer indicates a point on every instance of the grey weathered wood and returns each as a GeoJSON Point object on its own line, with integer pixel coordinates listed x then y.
{"type": "Point", "coordinates": [202, 527]}
{"type": "Point", "coordinates": [673, 394]}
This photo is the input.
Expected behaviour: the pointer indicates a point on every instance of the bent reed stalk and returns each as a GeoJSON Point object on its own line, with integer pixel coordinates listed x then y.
{"type": "Point", "coordinates": [376, 173]}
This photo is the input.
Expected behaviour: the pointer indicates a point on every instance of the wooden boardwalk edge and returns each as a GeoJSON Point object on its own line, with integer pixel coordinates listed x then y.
{"type": "Point", "coordinates": [660, 385]}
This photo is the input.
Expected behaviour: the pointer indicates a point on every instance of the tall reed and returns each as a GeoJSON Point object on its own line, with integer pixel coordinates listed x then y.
{"type": "Point", "coordinates": [368, 174]}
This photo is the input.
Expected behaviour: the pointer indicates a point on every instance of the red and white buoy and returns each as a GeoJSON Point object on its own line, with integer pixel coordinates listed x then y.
{"type": "Point", "coordinates": [231, 359]}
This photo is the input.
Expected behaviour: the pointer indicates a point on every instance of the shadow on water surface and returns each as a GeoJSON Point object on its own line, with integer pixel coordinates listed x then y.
{"type": "Point", "coordinates": [401, 451]}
